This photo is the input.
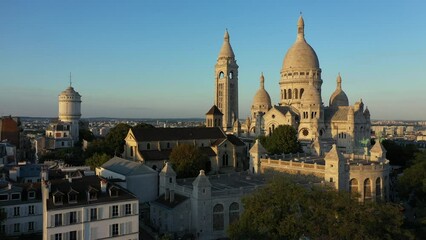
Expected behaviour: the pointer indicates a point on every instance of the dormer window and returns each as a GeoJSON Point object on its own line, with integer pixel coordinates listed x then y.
{"type": "Point", "coordinates": [15, 196]}
{"type": "Point", "coordinates": [92, 194]}
{"type": "Point", "coordinates": [58, 198]}
{"type": "Point", "coordinates": [72, 196]}
{"type": "Point", "coordinates": [113, 191]}
{"type": "Point", "coordinates": [31, 195]}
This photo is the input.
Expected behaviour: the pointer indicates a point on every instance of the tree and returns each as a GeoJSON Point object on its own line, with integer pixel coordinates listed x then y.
{"type": "Point", "coordinates": [282, 140]}
{"type": "Point", "coordinates": [97, 160]}
{"type": "Point", "coordinates": [187, 160]}
{"type": "Point", "coordinates": [399, 155]}
{"type": "Point", "coordinates": [284, 209]}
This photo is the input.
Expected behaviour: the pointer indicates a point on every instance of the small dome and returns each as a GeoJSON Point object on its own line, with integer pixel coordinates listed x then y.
{"type": "Point", "coordinates": [311, 95]}
{"type": "Point", "coordinates": [338, 98]}
{"type": "Point", "coordinates": [301, 55]}
{"type": "Point", "coordinates": [262, 98]}
{"type": "Point", "coordinates": [70, 92]}
{"type": "Point", "coordinates": [226, 50]}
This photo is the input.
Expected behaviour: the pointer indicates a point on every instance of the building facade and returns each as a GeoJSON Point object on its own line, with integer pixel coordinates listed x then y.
{"type": "Point", "coordinates": [88, 207]}
{"type": "Point", "coordinates": [22, 206]}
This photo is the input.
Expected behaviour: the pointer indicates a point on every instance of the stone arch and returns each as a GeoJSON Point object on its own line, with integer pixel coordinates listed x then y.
{"type": "Point", "coordinates": [231, 75]}
{"type": "Point", "coordinates": [378, 189]}
{"type": "Point", "coordinates": [353, 186]}
{"type": "Point", "coordinates": [285, 94]}
{"type": "Point", "coordinates": [221, 75]}
{"type": "Point", "coordinates": [289, 94]}
{"type": "Point", "coordinates": [301, 92]}
{"type": "Point", "coordinates": [295, 93]}
{"type": "Point", "coordinates": [367, 190]}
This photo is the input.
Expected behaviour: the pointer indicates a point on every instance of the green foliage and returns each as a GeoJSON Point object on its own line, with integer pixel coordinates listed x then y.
{"type": "Point", "coordinates": [287, 210]}
{"type": "Point", "coordinates": [72, 156]}
{"type": "Point", "coordinates": [187, 160]}
{"type": "Point", "coordinates": [85, 134]}
{"type": "Point", "coordinates": [97, 160]}
{"type": "Point", "coordinates": [282, 140]}
{"type": "Point", "coordinates": [399, 155]}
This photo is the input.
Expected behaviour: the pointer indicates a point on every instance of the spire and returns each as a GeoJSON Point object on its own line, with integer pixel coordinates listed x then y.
{"type": "Point", "coordinates": [262, 81]}
{"type": "Point", "coordinates": [226, 37]}
{"type": "Point", "coordinates": [70, 80]}
{"type": "Point", "coordinates": [339, 81]}
{"type": "Point", "coordinates": [226, 50]}
{"type": "Point", "coordinates": [300, 28]}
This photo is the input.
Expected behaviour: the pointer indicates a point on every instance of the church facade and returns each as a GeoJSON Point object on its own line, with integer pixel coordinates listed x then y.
{"type": "Point", "coordinates": [300, 104]}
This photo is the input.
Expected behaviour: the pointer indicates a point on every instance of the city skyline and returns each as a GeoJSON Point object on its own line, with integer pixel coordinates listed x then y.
{"type": "Point", "coordinates": [155, 59]}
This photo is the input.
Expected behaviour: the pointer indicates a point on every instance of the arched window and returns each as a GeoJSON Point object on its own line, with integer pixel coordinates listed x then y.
{"type": "Point", "coordinates": [273, 128]}
{"type": "Point", "coordinates": [295, 93]}
{"type": "Point", "coordinates": [289, 94]}
{"type": "Point", "coordinates": [285, 94]}
{"type": "Point", "coordinates": [131, 151]}
{"type": "Point", "coordinates": [234, 212]}
{"type": "Point", "coordinates": [231, 75]}
{"type": "Point", "coordinates": [301, 92]}
{"type": "Point", "coordinates": [353, 183]}
{"type": "Point", "coordinates": [378, 189]}
{"type": "Point", "coordinates": [367, 190]}
{"type": "Point", "coordinates": [218, 223]}
{"type": "Point", "coordinates": [221, 75]}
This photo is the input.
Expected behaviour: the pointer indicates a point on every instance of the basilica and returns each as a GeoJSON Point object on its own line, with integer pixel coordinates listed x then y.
{"type": "Point", "coordinates": [300, 105]}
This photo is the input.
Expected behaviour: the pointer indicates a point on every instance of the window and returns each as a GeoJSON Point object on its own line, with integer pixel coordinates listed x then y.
{"type": "Point", "coordinates": [115, 211]}
{"type": "Point", "coordinates": [16, 196]}
{"type": "Point", "coordinates": [234, 212]}
{"type": "Point", "coordinates": [114, 230]}
{"type": "Point", "coordinates": [218, 217]}
{"type": "Point", "coordinates": [93, 195]}
{"type": "Point", "coordinates": [31, 209]}
{"type": "Point", "coordinates": [16, 227]}
{"type": "Point", "coordinates": [4, 197]}
{"type": "Point", "coordinates": [73, 217]}
{"type": "Point", "coordinates": [353, 186]}
{"type": "Point", "coordinates": [2, 228]}
{"type": "Point", "coordinates": [72, 197]}
{"type": "Point", "coordinates": [31, 194]}
{"type": "Point", "coordinates": [128, 209]}
{"type": "Point", "coordinates": [58, 198]}
{"type": "Point", "coordinates": [58, 219]}
{"type": "Point", "coordinates": [30, 226]}
{"type": "Point", "coordinates": [331, 179]}
{"type": "Point", "coordinates": [58, 236]}
{"type": "Point", "coordinates": [16, 211]}
{"type": "Point", "coordinates": [148, 146]}
{"type": "Point", "coordinates": [93, 214]}
{"type": "Point", "coordinates": [72, 235]}
{"type": "Point", "coordinates": [131, 151]}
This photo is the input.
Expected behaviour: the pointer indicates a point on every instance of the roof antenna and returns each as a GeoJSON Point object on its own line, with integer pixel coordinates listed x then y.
{"type": "Point", "coordinates": [70, 80]}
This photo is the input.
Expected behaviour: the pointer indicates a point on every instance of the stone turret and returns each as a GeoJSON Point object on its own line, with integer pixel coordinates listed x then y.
{"type": "Point", "coordinates": [167, 180]}
{"type": "Point", "coordinates": [336, 171]}
{"type": "Point", "coordinates": [255, 154]}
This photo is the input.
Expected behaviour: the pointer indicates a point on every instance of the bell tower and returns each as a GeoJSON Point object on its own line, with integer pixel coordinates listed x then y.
{"type": "Point", "coordinates": [226, 84]}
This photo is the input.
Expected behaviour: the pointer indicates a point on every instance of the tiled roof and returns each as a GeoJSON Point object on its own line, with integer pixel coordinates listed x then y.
{"type": "Point", "coordinates": [82, 185]}
{"type": "Point", "coordinates": [214, 111]}
{"type": "Point", "coordinates": [235, 140]}
{"type": "Point", "coordinates": [170, 134]}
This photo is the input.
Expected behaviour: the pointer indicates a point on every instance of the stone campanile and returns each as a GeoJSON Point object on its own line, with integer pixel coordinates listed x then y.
{"type": "Point", "coordinates": [226, 84]}
{"type": "Point", "coordinates": [70, 109]}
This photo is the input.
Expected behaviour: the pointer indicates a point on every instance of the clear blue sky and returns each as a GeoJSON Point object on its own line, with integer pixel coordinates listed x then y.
{"type": "Point", "coordinates": [156, 58]}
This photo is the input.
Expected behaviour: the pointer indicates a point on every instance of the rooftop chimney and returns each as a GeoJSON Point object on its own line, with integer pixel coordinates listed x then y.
{"type": "Point", "coordinates": [103, 185]}
{"type": "Point", "coordinates": [9, 186]}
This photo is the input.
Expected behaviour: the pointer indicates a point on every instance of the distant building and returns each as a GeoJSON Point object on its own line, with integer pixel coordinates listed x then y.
{"type": "Point", "coordinates": [134, 176]}
{"type": "Point", "coordinates": [70, 110]}
{"type": "Point", "coordinates": [23, 208]}
{"type": "Point", "coordinates": [88, 207]}
{"type": "Point", "coordinates": [26, 173]}
{"type": "Point", "coordinates": [153, 146]}
{"type": "Point", "coordinates": [10, 129]}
